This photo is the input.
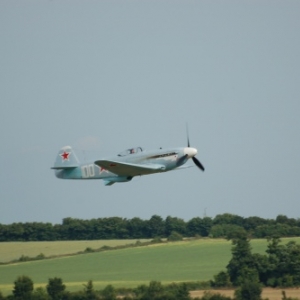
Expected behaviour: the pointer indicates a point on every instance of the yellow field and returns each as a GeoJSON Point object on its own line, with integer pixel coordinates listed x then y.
{"type": "Point", "coordinates": [14, 250]}
{"type": "Point", "coordinates": [268, 293]}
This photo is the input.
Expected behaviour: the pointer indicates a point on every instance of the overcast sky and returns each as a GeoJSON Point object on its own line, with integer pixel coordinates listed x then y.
{"type": "Point", "coordinates": [103, 76]}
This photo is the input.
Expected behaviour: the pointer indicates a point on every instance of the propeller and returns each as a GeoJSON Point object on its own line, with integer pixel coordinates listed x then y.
{"type": "Point", "coordinates": [195, 160]}
{"type": "Point", "coordinates": [198, 163]}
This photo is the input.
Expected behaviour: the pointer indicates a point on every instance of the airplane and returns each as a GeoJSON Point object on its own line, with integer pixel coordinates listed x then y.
{"type": "Point", "coordinates": [124, 166]}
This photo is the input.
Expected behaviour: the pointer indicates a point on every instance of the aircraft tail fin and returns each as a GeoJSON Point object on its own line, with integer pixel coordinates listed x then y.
{"type": "Point", "coordinates": [66, 159]}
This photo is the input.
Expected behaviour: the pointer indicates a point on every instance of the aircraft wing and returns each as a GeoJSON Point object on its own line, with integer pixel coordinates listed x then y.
{"type": "Point", "coordinates": [129, 169]}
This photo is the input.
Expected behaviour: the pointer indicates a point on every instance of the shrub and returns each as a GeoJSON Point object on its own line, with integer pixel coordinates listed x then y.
{"type": "Point", "coordinates": [88, 250]}
{"type": "Point", "coordinates": [24, 258]}
{"type": "Point", "coordinates": [138, 243]}
{"type": "Point", "coordinates": [213, 296]}
{"type": "Point", "coordinates": [106, 247]}
{"type": "Point", "coordinates": [40, 256]}
{"type": "Point", "coordinates": [175, 236]}
{"type": "Point", "coordinates": [156, 240]}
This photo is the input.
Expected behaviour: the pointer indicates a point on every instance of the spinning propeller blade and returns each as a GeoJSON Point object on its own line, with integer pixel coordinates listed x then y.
{"type": "Point", "coordinates": [187, 134]}
{"type": "Point", "coordinates": [195, 160]}
{"type": "Point", "coordinates": [198, 163]}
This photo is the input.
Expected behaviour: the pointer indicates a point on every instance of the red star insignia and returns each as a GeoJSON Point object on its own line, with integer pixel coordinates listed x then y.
{"type": "Point", "coordinates": [65, 155]}
{"type": "Point", "coordinates": [101, 169]}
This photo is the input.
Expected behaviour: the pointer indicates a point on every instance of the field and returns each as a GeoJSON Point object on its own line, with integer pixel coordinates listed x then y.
{"type": "Point", "coordinates": [14, 250]}
{"type": "Point", "coordinates": [268, 293]}
{"type": "Point", "coordinates": [194, 260]}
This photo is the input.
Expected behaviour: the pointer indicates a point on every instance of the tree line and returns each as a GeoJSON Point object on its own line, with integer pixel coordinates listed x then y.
{"type": "Point", "coordinates": [222, 225]}
{"type": "Point", "coordinates": [56, 290]}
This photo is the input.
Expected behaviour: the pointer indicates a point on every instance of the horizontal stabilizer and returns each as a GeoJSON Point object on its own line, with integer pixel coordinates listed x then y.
{"type": "Point", "coordinates": [64, 167]}
{"type": "Point", "coordinates": [107, 182]}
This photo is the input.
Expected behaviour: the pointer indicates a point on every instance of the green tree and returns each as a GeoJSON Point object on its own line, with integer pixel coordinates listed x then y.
{"type": "Point", "coordinates": [154, 291]}
{"type": "Point", "coordinates": [222, 279]}
{"type": "Point", "coordinates": [109, 293]}
{"type": "Point", "coordinates": [228, 231]}
{"type": "Point", "coordinates": [89, 291]}
{"type": "Point", "coordinates": [241, 266]}
{"type": "Point", "coordinates": [40, 294]}
{"type": "Point", "coordinates": [75, 229]}
{"type": "Point", "coordinates": [38, 231]}
{"type": "Point", "coordinates": [136, 228]}
{"type": "Point", "coordinates": [4, 233]}
{"type": "Point", "coordinates": [115, 228]}
{"type": "Point", "coordinates": [16, 232]}
{"type": "Point", "coordinates": [55, 288]}
{"type": "Point", "coordinates": [284, 260]}
{"type": "Point", "coordinates": [198, 226]}
{"type": "Point", "coordinates": [1, 296]}
{"type": "Point", "coordinates": [251, 223]}
{"type": "Point", "coordinates": [285, 220]}
{"type": "Point", "coordinates": [276, 230]}
{"type": "Point", "coordinates": [23, 288]}
{"type": "Point", "coordinates": [140, 290]}
{"type": "Point", "coordinates": [182, 292]}
{"type": "Point", "coordinates": [175, 224]}
{"type": "Point", "coordinates": [249, 290]}
{"type": "Point", "coordinates": [228, 219]}
{"type": "Point", "coordinates": [156, 227]}
{"type": "Point", "coordinates": [262, 265]}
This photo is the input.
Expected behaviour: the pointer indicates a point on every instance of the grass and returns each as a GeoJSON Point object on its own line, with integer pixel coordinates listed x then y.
{"type": "Point", "coordinates": [196, 260]}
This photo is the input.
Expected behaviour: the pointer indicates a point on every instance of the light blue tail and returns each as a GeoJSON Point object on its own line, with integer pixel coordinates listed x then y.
{"type": "Point", "coordinates": [66, 159]}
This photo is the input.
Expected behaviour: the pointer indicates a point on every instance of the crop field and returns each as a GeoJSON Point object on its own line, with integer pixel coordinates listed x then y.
{"type": "Point", "coordinates": [14, 250]}
{"type": "Point", "coordinates": [267, 293]}
{"type": "Point", "coordinates": [195, 260]}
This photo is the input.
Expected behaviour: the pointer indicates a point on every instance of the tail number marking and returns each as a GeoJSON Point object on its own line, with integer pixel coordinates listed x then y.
{"type": "Point", "coordinates": [87, 171]}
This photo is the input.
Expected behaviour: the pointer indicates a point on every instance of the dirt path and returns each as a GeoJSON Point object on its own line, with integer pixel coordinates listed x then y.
{"type": "Point", "coordinates": [271, 294]}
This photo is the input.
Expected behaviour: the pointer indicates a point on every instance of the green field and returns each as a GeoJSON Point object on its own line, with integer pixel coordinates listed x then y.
{"type": "Point", "coordinates": [169, 262]}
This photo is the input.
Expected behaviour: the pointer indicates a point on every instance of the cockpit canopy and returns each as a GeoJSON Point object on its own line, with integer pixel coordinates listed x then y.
{"type": "Point", "coordinates": [131, 151]}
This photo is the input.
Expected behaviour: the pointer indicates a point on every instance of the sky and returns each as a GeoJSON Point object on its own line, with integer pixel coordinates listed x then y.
{"type": "Point", "coordinates": [104, 76]}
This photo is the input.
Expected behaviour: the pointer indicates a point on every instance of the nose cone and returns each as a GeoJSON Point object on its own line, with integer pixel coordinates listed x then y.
{"type": "Point", "coordinates": [190, 152]}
